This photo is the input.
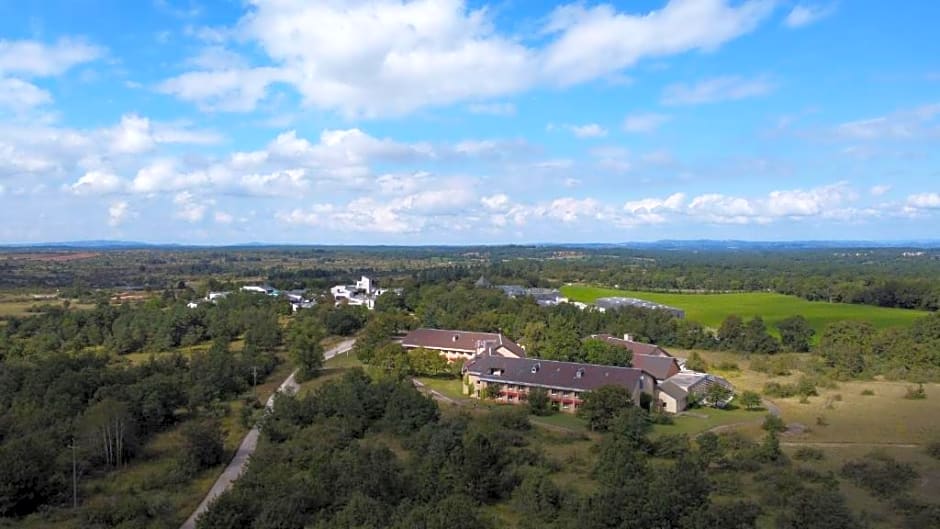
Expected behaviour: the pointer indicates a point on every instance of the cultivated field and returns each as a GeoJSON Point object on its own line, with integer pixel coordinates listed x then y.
{"type": "Point", "coordinates": [712, 309]}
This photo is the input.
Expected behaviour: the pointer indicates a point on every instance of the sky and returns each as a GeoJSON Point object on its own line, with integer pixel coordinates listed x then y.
{"type": "Point", "coordinates": [468, 122]}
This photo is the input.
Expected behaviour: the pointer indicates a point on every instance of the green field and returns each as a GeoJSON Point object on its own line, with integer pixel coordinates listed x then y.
{"type": "Point", "coordinates": [712, 309]}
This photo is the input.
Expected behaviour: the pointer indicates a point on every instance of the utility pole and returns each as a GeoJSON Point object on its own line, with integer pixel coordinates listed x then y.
{"type": "Point", "coordinates": [254, 379]}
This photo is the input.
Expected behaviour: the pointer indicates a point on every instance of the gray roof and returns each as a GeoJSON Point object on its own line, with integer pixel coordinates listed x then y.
{"type": "Point", "coordinates": [462, 341]}
{"type": "Point", "coordinates": [660, 367]}
{"type": "Point", "coordinates": [552, 374]}
{"type": "Point", "coordinates": [639, 348]}
{"type": "Point", "coordinates": [673, 390]}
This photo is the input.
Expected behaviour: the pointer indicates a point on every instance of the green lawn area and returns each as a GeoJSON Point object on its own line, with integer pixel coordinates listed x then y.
{"type": "Point", "coordinates": [712, 309]}
{"type": "Point", "coordinates": [568, 421]}
{"type": "Point", "coordinates": [332, 370]}
{"type": "Point", "coordinates": [698, 420]}
{"type": "Point", "coordinates": [344, 360]}
{"type": "Point", "coordinates": [449, 387]}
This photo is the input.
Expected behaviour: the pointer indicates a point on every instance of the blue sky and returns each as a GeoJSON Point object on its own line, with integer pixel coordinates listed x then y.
{"type": "Point", "coordinates": [447, 121]}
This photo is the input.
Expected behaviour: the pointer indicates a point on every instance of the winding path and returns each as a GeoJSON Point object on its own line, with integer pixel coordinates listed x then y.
{"type": "Point", "coordinates": [250, 442]}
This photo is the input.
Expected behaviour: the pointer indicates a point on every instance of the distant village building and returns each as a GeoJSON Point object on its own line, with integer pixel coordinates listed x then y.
{"type": "Point", "coordinates": [261, 289]}
{"type": "Point", "coordinates": [512, 291]}
{"type": "Point", "coordinates": [215, 296]}
{"type": "Point", "coordinates": [363, 293]}
{"type": "Point", "coordinates": [545, 297]}
{"type": "Point", "coordinates": [565, 382]}
{"type": "Point", "coordinates": [458, 346]}
{"type": "Point", "coordinates": [613, 303]}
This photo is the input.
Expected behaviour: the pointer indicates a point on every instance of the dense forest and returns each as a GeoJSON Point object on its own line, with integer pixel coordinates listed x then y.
{"type": "Point", "coordinates": [64, 387]}
{"type": "Point", "coordinates": [364, 453]}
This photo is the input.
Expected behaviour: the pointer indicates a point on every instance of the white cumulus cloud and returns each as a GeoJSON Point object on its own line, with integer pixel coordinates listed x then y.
{"type": "Point", "coordinates": [377, 58]}
{"type": "Point", "coordinates": [117, 212]}
{"type": "Point", "coordinates": [803, 15]}
{"type": "Point", "coordinates": [644, 122]}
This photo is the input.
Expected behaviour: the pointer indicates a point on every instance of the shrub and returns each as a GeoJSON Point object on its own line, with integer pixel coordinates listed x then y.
{"type": "Point", "coordinates": [539, 403]}
{"type": "Point", "coordinates": [933, 449]}
{"type": "Point", "coordinates": [917, 393]}
{"type": "Point", "coordinates": [728, 366]}
{"type": "Point", "coordinates": [806, 387]}
{"type": "Point", "coordinates": [773, 423]}
{"type": "Point", "coordinates": [203, 444]}
{"type": "Point", "coordinates": [750, 399]}
{"type": "Point", "coordinates": [672, 446]}
{"type": "Point", "coordinates": [868, 392]}
{"type": "Point", "coordinates": [808, 453]}
{"type": "Point", "coordinates": [696, 363]}
{"type": "Point", "coordinates": [778, 390]}
{"type": "Point", "coordinates": [726, 484]}
{"type": "Point", "coordinates": [837, 397]}
{"type": "Point", "coordinates": [880, 474]}
{"type": "Point", "coordinates": [660, 417]}
{"type": "Point", "coordinates": [821, 421]}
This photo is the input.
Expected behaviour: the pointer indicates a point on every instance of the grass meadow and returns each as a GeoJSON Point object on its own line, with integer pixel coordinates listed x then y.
{"type": "Point", "coordinates": [712, 309]}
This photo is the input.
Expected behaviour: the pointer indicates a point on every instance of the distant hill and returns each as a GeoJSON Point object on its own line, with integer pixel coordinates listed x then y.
{"type": "Point", "coordinates": [704, 245]}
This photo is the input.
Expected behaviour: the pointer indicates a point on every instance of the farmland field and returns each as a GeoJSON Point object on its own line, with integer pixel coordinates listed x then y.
{"type": "Point", "coordinates": [712, 309]}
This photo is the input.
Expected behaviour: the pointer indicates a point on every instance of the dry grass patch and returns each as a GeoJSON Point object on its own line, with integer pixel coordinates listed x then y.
{"type": "Point", "coordinates": [883, 418]}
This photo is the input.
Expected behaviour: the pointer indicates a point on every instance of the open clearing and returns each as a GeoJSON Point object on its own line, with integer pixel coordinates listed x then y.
{"type": "Point", "coordinates": [712, 309]}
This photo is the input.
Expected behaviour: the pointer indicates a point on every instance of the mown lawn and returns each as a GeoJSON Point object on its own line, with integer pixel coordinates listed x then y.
{"type": "Point", "coordinates": [698, 420]}
{"type": "Point", "coordinates": [568, 421]}
{"type": "Point", "coordinates": [712, 309]}
{"type": "Point", "coordinates": [449, 387]}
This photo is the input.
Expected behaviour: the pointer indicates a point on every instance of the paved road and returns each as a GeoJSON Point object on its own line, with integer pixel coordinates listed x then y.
{"type": "Point", "coordinates": [250, 442]}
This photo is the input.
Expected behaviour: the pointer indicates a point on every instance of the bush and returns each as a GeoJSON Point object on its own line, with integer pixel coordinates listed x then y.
{"type": "Point", "coordinates": [750, 400]}
{"type": "Point", "coordinates": [539, 403]}
{"type": "Point", "coordinates": [696, 363]}
{"type": "Point", "coordinates": [880, 474]}
{"type": "Point", "coordinates": [821, 421]}
{"type": "Point", "coordinates": [728, 366]}
{"type": "Point", "coordinates": [203, 444]}
{"type": "Point", "coordinates": [805, 388]}
{"type": "Point", "coordinates": [917, 393]}
{"type": "Point", "coordinates": [672, 446]}
{"type": "Point", "coordinates": [772, 423]}
{"type": "Point", "coordinates": [778, 390]}
{"type": "Point", "coordinates": [868, 392]}
{"type": "Point", "coordinates": [808, 453]}
{"type": "Point", "coordinates": [933, 449]}
{"type": "Point", "coordinates": [660, 417]}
